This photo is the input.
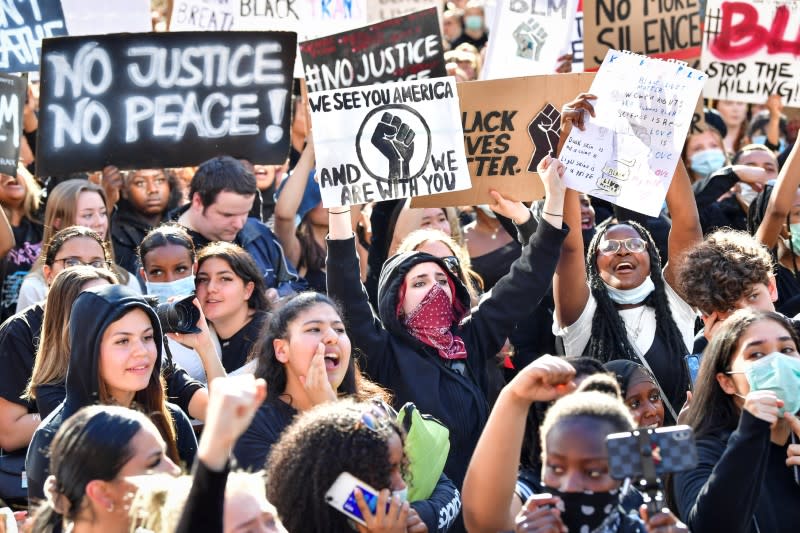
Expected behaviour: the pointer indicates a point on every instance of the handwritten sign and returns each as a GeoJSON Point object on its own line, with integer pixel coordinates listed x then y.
{"type": "Point", "coordinates": [207, 15]}
{"type": "Point", "coordinates": [378, 10]}
{"type": "Point", "coordinates": [509, 126]}
{"type": "Point", "coordinates": [576, 41]}
{"type": "Point", "coordinates": [164, 99]}
{"type": "Point", "coordinates": [404, 48]}
{"type": "Point", "coordinates": [12, 99]}
{"type": "Point", "coordinates": [23, 25]}
{"type": "Point", "coordinates": [333, 16]}
{"type": "Point", "coordinates": [528, 37]}
{"type": "Point", "coordinates": [92, 17]}
{"type": "Point", "coordinates": [388, 141]}
{"type": "Point", "coordinates": [628, 152]}
{"type": "Point", "coordinates": [663, 29]}
{"type": "Point", "coordinates": [269, 14]}
{"type": "Point", "coordinates": [751, 50]}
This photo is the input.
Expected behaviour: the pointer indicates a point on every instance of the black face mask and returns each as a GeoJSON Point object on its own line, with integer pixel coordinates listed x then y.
{"type": "Point", "coordinates": [584, 512]}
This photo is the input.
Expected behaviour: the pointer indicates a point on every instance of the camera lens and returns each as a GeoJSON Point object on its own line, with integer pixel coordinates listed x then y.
{"type": "Point", "coordinates": [179, 317]}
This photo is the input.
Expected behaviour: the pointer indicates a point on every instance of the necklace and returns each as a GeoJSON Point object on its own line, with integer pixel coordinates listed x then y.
{"type": "Point", "coordinates": [633, 334]}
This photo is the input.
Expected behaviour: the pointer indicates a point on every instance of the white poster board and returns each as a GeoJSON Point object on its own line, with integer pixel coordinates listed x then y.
{"type": "Point", "coordinates": [628, 152]}
{"type": "Point", "coordinates": [196, 15]}
{"type": "Point", "coordinates": [93, 17]}
{"type": "Point", "coordinates": [385, 141]}
{"type": "Point", "coordinates": [527, 38]}
{"type": "Point", "coordinates": [750, 50]}
{"type": "Point", "coordinates": [378, 10]}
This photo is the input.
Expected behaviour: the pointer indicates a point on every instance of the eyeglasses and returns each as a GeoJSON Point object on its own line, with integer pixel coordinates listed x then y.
{"type": "Point", "coordinates": [634, 245]}
{"type": "Point", "coordinates": [74, 261]}
{"type": "Point", "coordinates": [375, 418]}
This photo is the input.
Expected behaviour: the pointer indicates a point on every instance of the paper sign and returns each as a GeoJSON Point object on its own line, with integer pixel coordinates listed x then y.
{"type": "Point", "coordinates": [270, 14]}
{"type": "Point", "coordinates": [23, 25]}
{"type": "Point", "coordinates": [92, 17]}
{"type": "Point", "coordinates": [12, 99]}
{"type": "Point", "coordinates": [628, 152]}
{"type": "Point", "coordinates": [334, 16]}
{"type": "Point", "coordinates": [388, 141]}
{"type": "Point", "coordinates": [378, 10]}
{"type": "Point", "coordinates": [164, 99]}
{"type": "Point", "coordinates": [509, 125]}
{"type": "Point", "coordinates": [207, 15]}
{"type": "Point", "coordinates": [528, 37]}
{"type": "Point", "coordinates": [752, 50]}
{"type": "Point", "coordinates": [404, 48]}
{"type": "Point", "coordinates": [576, 41]}
{"type": "Point", "coordinates": [664, 29]}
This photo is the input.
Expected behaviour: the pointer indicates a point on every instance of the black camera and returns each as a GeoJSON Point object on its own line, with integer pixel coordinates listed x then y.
{"type": "Point", "coordinates": [179, 316]}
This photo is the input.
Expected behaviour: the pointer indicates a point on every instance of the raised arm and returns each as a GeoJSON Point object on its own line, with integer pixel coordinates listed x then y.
{"type": "Point", "coordinates": [570, 292]}
{"type": "Point", "coordinates": [289, 201]}
{"type": "Point", "coordinates": [781, 200]}
{"type": "Point", "coordinates": [773, 129]}
{"type": "Point", "coordinates": [488, 492]}
{"type": "Point", "coordinates": [685, 231]}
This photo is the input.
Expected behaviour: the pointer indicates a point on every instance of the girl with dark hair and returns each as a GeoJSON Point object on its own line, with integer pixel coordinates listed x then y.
{"type": "Point", "coordinates": [581, 496]}
{"type": "Point", "coordinates": [168, 260]}
{"type": "Point", "coordinates": [745, 396]}
{"type": "Point", "coordinates": [90, 457]}
{"type": "Point", "coordinates": [774, 219]}
{"type": "Point", "coordinates": [615, 302]}
{"type": "Point", "coordinates": [639, 392]}
{"type": "Point", "coordinates": [358, 439]}
{"type": "Point", "coordinates": [232, 295]}
{"type": "Point", "coordinates": [115, 359]}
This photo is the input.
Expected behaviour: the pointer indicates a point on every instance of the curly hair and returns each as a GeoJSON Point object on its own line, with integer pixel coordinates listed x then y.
{"type": "Point", "coordinates": [719, 271]}
{"type": "Point", "coordinates": [299, 475]}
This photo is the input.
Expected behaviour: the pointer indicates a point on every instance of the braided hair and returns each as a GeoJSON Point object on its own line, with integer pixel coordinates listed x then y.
{"type": "Point", "coordinates": [609, 339]}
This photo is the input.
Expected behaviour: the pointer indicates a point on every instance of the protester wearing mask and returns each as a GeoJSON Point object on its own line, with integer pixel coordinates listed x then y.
{"type": "Point", "coordinates": [581, 495]}
{"type": "Point", "coordinates": [615, 302]}
{"type": "Point", "coordinates": [704, 153]}
{"type": "Point", "coordinates": [475, 32]}
{"type": "Point", "coordinates": [742, 413]}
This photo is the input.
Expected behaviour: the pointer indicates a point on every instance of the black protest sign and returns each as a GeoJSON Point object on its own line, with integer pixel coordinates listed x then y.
{"type": "Point", "coordinates": [403, 48]}
{"type": "Point", "coordinates": [164, 99]}
{"type": "Point", "coordinates": [23, 25]}
{"type": "Point", "coordinates": [12, 99]}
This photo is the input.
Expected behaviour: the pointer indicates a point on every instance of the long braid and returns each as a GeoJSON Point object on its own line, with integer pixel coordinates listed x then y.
{"type": "Point", "coordinates": [609, 336]}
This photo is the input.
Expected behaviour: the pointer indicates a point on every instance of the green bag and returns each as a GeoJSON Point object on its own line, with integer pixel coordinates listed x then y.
{"type": "Point", "coordinates": [427, 446]}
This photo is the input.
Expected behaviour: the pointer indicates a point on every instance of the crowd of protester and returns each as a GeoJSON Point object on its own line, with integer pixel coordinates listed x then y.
{"type": "Point", "coordinates": [466, 363]}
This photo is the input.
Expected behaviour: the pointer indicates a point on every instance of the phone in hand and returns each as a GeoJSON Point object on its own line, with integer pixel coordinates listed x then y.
{"type": "Point", "coordinates": [341, 496]}
{"type": "Point", "coordinates": [672, 449]}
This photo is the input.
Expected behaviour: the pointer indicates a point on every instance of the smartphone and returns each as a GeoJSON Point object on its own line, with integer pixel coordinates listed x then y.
{"type": "Point", "coordinates": [672, 448]}
{"type": "Point", "coordinates": [341, 496]}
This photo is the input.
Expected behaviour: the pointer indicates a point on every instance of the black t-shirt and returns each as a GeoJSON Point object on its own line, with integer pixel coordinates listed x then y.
{"type": "Point", "coordinates": [236, 349]}
{"type": "Point", "coordinates": [17, 263]}
{"type": "Point", "coordinates": [270, 420]}
{"type": "Point", "coordinates": [19, 338]}
{"type": "Point", "coordinates": [788, 285]}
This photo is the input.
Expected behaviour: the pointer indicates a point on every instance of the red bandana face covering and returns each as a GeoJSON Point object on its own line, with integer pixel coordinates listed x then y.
{"type": "Point", "coordinates": [430, 322]}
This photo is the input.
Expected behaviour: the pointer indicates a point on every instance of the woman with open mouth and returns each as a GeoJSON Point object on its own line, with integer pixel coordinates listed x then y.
{"type": "Point", "coordinates": [616, 302]}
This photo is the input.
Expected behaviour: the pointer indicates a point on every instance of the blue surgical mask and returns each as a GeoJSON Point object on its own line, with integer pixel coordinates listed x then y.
{"type": "Point", "coordinates": [706, 162]}
{"type": "Point", "coordinates": [762, 139]}
{"type": "Point", "coordinates": [473, 22]}
{"type": "Point", "coordinates": [631, 296]}
{"type": "Point", "coordinates": [167, 289]}
{"type": "Point", "coordinates": [779, 373]}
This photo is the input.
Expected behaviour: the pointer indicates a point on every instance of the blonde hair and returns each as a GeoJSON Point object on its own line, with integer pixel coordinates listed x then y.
{"type": "Point", "coordinates": [52, 355]}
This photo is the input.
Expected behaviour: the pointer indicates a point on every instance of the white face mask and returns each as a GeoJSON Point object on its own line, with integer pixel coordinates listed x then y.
{"type": "Point", "coordinates": [402, 494]}
{"type": "Point", "coordinates": [167, 289]}
{"type": "Point", "coordinates": [631, 296]}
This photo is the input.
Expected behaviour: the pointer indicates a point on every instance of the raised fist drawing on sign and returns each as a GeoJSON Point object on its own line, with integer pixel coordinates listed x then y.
{"type": "Point", "coordinates": [530, 37]}
{"type": "Point", "coordinates": [395, 140]}
{"type": "Point", "coordinates": [544, 130]}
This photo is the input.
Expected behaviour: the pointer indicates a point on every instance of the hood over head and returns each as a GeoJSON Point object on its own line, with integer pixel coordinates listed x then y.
{"type": "Point", "coordinates": [93, 311]}
{"type": "Point", "coordinates": [392, 276]}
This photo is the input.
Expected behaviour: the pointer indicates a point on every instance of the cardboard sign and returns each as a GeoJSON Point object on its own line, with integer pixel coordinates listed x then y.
{"type": "Point", "coordinates": [628, 152]}
{"type": "Point", "coordinates": [751, 50]}
{"type": "Point", "coordinates": [269, 14]}
{"type": "Point", "coordinates": [528, 37]}
{"type": "Point", "coordinates": [388, 141]}
{"type": "Point", "coordinates": [378, 10]}
{"type": "Point", "coordinates": [23, 25]}
{"type": "Point", "coordinates": [663, 29]}
{"type": "Point", "coordinates": [93, 17]}
{"type": "Point", "coordinates": [404, 48]}
{"type": "Point", "coordinates": [509, 126]}
{"type": "Point", "coordinates": [164, 99]}
{"type": "Point", "coordinates": [12, 99]}
{"type": "Point", "coordinates": [206, 15]}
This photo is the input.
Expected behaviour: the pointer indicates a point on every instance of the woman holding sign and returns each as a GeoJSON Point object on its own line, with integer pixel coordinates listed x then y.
{"type": "Point", "coordinates": [424, 346]}
{"type": "Point", "coordinates": [616, 303]}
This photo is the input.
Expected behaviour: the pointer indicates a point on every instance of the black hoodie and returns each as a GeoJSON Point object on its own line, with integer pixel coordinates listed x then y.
{"type": "Point", "coordinates": [92, 313]}
{"type": "Point", "coordinates": [452, 391]}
